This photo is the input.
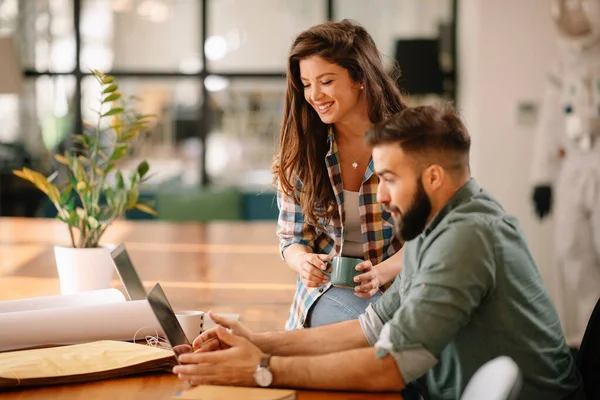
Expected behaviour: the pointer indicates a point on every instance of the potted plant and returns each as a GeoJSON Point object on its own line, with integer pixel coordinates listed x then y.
{"type": "Point", "coordinates": [94, 192]}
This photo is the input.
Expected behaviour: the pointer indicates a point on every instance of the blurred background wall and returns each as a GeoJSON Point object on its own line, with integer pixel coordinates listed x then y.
{"type": "Point", "coordinates": [214, 73]}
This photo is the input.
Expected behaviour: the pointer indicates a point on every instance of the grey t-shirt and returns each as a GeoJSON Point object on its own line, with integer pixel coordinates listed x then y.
{"type": "Point", "coordinates": [469, 291]}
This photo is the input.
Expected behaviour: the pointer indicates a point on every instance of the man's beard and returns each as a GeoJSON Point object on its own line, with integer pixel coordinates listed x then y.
{"type": "Point", "coordinates": [412, 223]}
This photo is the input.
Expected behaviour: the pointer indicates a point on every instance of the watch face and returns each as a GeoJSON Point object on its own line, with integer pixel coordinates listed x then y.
{"type": "Point", "coordinates": [263, 377]}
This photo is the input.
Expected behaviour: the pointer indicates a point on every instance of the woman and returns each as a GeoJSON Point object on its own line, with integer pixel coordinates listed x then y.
{"type": "Point", "coordinates": [337, 89]}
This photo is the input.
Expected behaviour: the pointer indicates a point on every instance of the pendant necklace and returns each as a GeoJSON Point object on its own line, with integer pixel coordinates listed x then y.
{"type": "Point", "coordinates": [354, 162]}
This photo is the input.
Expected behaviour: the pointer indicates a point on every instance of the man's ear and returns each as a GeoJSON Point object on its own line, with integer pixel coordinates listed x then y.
{"type": "Point", "coordinates": [433, 177]}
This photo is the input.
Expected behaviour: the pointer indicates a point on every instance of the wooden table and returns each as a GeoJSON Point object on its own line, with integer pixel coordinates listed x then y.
{"type": "Point", "coordinates": [225, 267]}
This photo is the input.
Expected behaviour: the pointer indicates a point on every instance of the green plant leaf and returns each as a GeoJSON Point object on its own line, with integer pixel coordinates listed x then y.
{"type": "Point", "coordinates": [113, 111]}
{"type": "Point", "coordinates": [70, 206]}
{"type": "Point", "coordinates": [21, 174]}
{"type": "Point", "coordinates": [61, 159]}
{"type": "Point", "coordinates": [111, 88]}
{"type": "Point", "coordinates": [120, 202]}
{"type": "Point", "coordinates": [72, 180]}
{"type": "Point", "coordinates": [143, 168]}
{"type": "Point", "coordinates": [84, 140]}
{"type": "Point", "coordinates": [109, 168]}
{"type": "Point", "coordinates": [66, 195]}
{"type": "Point", "coordinates": [73, 218]}
{"type": "Point", "coordinates": [131, 133]}
{"type": "Point", "coordinates": [87, 198]}
{"type": "Point", "coordinates": [112, 97]}
{"type": "Point", "coordinates": [37, 179]}
{"type": "Point", "coordinates": [141, 117]}
{"type": "Point", "coordinates": [120, 182]}
{"type": "Point", "coordinates": [134, 179]}
{"type": "Point", "coordinates": [146, 209]}
{"type": "Point", "coordinates": [79, 172]}
{"type": "Point", "coordinates": [98, 73]}
{"type": "Point", "coordinates": [108, 79]}
{"type": "Point", "coordinates": [119, 152]}
{"type": "Point", "coordinates": [110, 196]}
{"type": "Point", "coordinates": [132, 198]}
{"type": "Point", "coordinates": [53, 193]}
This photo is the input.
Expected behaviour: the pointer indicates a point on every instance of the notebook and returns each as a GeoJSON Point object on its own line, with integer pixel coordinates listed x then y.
{"type": "Point", "coordinates": [208, 392]}
{"type": "Point", "coordinates": [81, 363]}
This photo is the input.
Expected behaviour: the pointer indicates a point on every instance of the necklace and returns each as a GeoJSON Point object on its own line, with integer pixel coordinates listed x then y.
{"type": "Point", "coordinates": [354, 162]}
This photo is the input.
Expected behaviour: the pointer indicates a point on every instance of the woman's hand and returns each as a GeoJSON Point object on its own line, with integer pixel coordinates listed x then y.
{"type": "Point", "coordinates": [310, 268]}
{"type": "Point", "coordinates": [370, 280]}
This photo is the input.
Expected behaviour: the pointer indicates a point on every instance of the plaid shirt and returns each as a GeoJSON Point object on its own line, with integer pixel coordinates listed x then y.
{"type": "Point", "coordinates": [379, 241]}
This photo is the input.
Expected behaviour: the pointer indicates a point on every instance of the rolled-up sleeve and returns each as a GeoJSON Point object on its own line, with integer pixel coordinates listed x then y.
{"type": "Point", "coordinates": [371, 324]}
{"type": "Point", "coordinates": [291, 226]}
{"type": "Point", "coordinates": [456, 273]}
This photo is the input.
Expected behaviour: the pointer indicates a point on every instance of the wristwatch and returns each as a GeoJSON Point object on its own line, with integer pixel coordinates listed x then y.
{"type": "Point", "coordinates": [263, 375]}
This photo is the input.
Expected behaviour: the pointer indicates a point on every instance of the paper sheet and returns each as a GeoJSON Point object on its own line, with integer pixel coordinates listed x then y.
{"type": "Point", "coordinates": [70, 325]}
{"type": "Point", "coordinates": [59, 301]}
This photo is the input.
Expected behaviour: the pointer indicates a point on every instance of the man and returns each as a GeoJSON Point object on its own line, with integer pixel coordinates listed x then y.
{"type": "Point", "coordinates": [468, 291]}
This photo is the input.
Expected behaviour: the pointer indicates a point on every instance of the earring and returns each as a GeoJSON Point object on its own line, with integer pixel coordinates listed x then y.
{"type": "Point", "coordinates": [362, 87]}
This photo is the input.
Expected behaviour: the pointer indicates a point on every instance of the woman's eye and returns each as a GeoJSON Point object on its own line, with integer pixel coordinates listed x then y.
{"type": "Point", "coordinates": [327, 82]}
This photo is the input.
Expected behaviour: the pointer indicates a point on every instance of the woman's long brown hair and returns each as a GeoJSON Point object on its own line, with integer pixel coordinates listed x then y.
{"type": "Point", "coordinates": [303, 139]}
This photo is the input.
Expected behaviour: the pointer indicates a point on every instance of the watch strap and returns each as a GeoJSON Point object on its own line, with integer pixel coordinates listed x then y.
{"type": "Point", "coordinates": [264, 360]}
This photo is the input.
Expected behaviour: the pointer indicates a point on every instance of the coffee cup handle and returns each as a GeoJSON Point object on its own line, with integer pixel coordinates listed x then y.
{"type": "Point", "coordinates": [324, 270]}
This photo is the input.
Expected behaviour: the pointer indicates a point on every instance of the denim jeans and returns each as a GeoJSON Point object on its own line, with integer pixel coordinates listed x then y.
{"type": "Point", "coordinates": [336, 305]}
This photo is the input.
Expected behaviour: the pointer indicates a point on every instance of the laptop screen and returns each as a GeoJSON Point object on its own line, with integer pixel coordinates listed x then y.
{"type": "Point", "coordinates": [168, 321]}
{"type": "Point", "coordinates": [129, 277]}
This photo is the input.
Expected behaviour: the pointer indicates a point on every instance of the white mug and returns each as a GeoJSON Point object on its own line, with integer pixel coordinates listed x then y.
{"type": "Point", "coordinates": [192, 323]}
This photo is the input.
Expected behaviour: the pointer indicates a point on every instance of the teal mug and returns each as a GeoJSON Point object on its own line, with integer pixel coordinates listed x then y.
{"type": "Point", "coordinates": [342, 270]}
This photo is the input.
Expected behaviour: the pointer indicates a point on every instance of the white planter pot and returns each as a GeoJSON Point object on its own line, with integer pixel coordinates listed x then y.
{"type": "Point", "coordinates": [82, 270]}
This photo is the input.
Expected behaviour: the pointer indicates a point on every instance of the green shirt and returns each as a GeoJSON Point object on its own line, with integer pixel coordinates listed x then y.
{"type": "Point", "coordinates": [469, 291]}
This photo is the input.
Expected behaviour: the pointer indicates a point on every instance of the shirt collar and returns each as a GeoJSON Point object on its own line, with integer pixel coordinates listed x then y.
{"type": "Point", "coordinates": [462, 195]}
{"type": "Point", "coordinates": [333, 151]}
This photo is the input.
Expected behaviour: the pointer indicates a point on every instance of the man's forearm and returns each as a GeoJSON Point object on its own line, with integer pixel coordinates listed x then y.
{"type": "Point", "coordinates": [357, 369]}
{"type": "Point", "coordinates": [321, 340]}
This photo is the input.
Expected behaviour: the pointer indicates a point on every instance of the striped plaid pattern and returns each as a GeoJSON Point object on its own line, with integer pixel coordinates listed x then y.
{"type": "Point", "coordinates": [378, 238]}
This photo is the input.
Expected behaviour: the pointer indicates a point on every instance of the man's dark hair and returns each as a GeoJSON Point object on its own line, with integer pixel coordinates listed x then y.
{"type": "Point", "coordinates": [432, 134]}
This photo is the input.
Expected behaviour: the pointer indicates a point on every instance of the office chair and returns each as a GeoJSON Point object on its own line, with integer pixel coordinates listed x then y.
{"type": "Point", "coordinates": [589, 355]}
{"type": "Point", "coordinates": [497, 379]}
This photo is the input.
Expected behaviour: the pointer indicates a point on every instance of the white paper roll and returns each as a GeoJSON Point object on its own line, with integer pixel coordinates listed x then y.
{"type": "Point", "coordinates": [70, 325]}
{"type": "Point", "coordinates": [104, 296]}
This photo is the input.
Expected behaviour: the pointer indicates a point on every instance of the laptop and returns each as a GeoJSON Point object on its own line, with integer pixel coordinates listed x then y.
{"type": "Point", "coordinates": [129, 277]}
{"type": "Point", "coordinates": [168, 321]}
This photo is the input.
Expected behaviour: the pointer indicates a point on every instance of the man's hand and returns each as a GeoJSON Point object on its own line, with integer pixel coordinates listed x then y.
{"type": "Point", "coordinates": [209, 340]}
{"type": "Point", "coordinates": [234, 366]}
{"type": "Point", "coordinates": [310, 268]}
{"type": "Point", "coordinates": [370, 280]}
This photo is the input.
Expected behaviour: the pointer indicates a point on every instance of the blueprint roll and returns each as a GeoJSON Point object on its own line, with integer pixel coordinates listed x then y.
{"type": "Point", "coordinates": [122, 320]}
{"type": "Point", "coordinates": [59, 301]}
